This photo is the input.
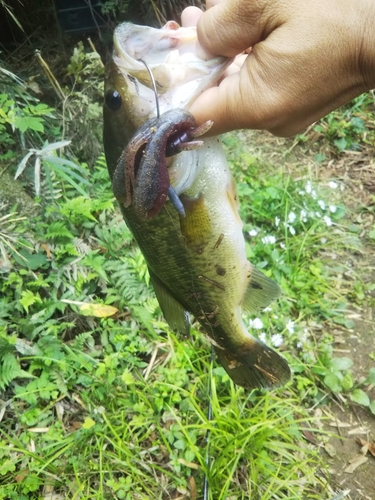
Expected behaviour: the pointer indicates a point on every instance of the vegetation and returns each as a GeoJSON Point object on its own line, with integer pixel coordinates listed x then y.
{"type": "Point", "coordinates": [99, 399]}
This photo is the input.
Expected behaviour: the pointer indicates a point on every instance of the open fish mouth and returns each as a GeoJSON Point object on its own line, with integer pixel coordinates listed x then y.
{"type": "Point", "coordinates": [170, 52]}
{"type": "Point", "coordinates": [161, 74]}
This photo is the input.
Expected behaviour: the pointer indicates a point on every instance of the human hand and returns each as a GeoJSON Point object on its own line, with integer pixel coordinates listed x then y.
{"type": "Point", "coordinates": [307, 59]}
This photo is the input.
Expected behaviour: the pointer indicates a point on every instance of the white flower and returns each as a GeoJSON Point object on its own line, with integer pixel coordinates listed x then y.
{"type": "Point", "coordinates": [292, 217]}
{"type": "Point", "coordinates": [327, 220]}
{"type": "Point", "coordinates": [333, 184]}
{"type": "Point", "coordinates": [303, 215]}
{"type": "Point", "coordinates": [253, 232]}
{"type": "Point", "coordinates": [269, 239]}
{"type": "Point", "coordinates": [303, 338]}
{"type": "Point", "coordinates": [267, 309]}
{"type": "Point", "coordinates": [277, 340]}
{"type": "Point", "coordinates": [277, 221]}
{"type": "Point", "coordinates": [262, 337]}
{"type": "Point", "coordinates": [313, 194]}
{"type": "Point", "coordinates": [283, 246]}
{"type": "Point", "coordinates": [301, 192]}
{"type": "Point", "coordinates": [256, 323]}
{"type": "Point", "coordinates": [332, 208]}
{"type": "Point", "coordinates": [323, 240]}
{"type": "Point", "coordinates": [318, 214]}
{"type": "Point", "coordinates": [308, 187]}
{"type": "Point", "coordinates": [290, 326]}
{"type": "Point", "coordinates": [292, 230]}
{"type": "Point", "coordinates": [322, 204]}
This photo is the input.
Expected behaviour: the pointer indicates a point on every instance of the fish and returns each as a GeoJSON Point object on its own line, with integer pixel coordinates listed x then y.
{"type": "Point", "coordinates": [179, 199]}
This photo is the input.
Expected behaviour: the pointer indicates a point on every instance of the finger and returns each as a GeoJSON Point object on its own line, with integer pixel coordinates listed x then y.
{"type": "Point", "coordinates": [227, 29]}
{"type": "Point", "coordinates": [190, 16]}
{"type": "Point", "coordinates": [244, 99]}
{"type": "Point", "coordinates": [220, 104]}
{"type": "Point", "coordinates": [212, 3]}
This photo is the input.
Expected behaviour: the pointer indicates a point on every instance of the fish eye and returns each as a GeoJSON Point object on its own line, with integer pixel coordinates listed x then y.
{"type": "Point", "coordinates": [113, 100]}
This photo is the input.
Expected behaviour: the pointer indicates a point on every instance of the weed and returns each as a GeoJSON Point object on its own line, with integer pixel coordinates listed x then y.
{"type": "Point", "coordinates": [105, 402]}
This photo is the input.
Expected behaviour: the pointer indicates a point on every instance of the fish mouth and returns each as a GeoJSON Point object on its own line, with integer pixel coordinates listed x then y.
{"type": "Point", "coordinates": [170, 52]}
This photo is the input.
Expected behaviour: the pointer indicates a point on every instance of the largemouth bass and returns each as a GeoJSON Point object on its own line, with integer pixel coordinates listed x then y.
{"type": "Point", "coordinates": [196, 258]}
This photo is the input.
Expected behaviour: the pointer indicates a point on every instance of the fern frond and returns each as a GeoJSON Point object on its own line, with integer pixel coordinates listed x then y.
{"type": "Point", "coordinates": [10, 369]}
{"type": "Point", "coordinates": [127, 283]}
{"type": "Point", "coordinates": [80, 340]}
{"type": "Point", "coordinates": [58, 230]}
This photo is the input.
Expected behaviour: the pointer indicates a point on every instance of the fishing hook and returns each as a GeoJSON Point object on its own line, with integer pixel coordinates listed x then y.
{"type": "Point", "coordinates": [172, 195]}
{"type": "Point", "coordinates": [153, 86]}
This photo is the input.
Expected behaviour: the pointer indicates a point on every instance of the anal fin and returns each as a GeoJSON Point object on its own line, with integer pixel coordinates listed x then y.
{"type": "Point", "coordinates": [261, 291]}
{"type": "Point", "coordinates": [174, 313]}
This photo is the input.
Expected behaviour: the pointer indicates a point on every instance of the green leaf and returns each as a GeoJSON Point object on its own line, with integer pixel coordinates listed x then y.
{"type": "Point", "coordinates": [341, 363]}
{"type": "Point", "coordinates": [127, 377]}
{"type": "Point", "coordinates": [320, 157]}
{"type": "Point", "coordinates": [370, 377]}
{"type": "Point", "coordinates": [333, 382]}
{"type": "Point", "coordinates": [23, 163]}
{"type": "Point", "coordinates": [360, 397]}
{"type": "Point", "coordinates": [340, 144]}
{"type": "Point", "coordinates": [53, 146]}
{"type": "Point", "coordinates": [28, 299]}
{"type": "Point", "coordinates": [32, 261]}
{"type": "Point", "coordinates": [88, 423]}
{"type": "Point", "coordinates": [179, 444]}
{"type": "Point", "coordinates": [24, 123]}
{"type": "Point", "coordinates": [372, 407]}
{"type": "Point", "coordinates": [347, 382]}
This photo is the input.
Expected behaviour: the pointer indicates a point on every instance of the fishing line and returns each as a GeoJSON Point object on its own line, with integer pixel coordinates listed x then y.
{"type": "Point", "coordinates": [174, 197]}
{"type": "Point", "coordinates": [206, 486]}
{"type": "Point", "coordinates": [153, 86]}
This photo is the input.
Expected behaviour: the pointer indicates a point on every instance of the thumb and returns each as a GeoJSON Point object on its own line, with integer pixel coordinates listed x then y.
{"type": "Point", "coordinates": [227, 29]}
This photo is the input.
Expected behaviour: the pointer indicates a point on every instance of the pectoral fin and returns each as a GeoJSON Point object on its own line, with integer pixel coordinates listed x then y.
{"type": "Point", "coordinates": [174, 313]}
{"type": "Point", "coordinates": [261, 291]}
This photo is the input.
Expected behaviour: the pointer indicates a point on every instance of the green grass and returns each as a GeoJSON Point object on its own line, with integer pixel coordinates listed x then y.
{"type": "Point", "coordinates": [116, 407]}
{"type": "Point", "coordinates": [147, 437]}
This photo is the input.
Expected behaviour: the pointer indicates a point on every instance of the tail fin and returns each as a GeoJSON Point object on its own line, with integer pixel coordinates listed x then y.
{"type": "Point", "coordinates": [255, 365]}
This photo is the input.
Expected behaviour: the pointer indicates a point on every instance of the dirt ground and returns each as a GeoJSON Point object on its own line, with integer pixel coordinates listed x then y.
{"type": "Point", "coordinates": [351, 465]}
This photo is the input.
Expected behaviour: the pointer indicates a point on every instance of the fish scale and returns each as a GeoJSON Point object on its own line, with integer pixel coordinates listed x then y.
{"type": "Point", "coordinates": [197, 263]}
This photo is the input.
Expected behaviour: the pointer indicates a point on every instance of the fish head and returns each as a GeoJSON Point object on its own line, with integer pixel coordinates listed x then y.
{"type": "Point", "coordinates": [180, 76]}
